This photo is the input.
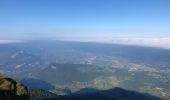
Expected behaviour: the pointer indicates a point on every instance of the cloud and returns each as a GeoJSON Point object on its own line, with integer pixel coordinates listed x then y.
{"type": "Point", "coordinates": [147, 42]}
{"type": "Point", "coordinates": [9, 41]}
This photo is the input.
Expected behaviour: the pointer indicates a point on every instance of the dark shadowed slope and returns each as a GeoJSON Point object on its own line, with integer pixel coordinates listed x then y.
{"type": "Point", "coordinates": [112, 94]}
{"type": "Point", "coordinates": [93, 94]}
{"type": "Point", "coordinates": [39, 94]}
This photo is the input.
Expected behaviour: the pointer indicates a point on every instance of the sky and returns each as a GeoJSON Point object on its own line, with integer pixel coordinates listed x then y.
{"type": "Point", "coordinates": [69, 19]}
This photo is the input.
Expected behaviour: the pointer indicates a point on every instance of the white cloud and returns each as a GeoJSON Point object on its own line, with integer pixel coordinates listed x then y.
{"type": "Point", "coordinates": [9, 41]}
{"type": "Point", "coordinates": [147, 42]}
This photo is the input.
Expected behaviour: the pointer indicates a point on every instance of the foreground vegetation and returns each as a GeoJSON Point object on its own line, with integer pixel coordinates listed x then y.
{"type": "Point", "coordinates": [12, 90]}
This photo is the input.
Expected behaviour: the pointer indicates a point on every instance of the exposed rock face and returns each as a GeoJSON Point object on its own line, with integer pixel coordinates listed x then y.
{"type": "Point", "coordinates": [12, 90]}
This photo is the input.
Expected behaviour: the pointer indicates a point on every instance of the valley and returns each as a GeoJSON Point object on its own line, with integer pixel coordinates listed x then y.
{"type": "Point", "coordinates": [64, 68]}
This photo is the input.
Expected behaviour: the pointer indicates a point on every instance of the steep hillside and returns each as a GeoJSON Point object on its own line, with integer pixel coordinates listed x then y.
{"type": "Point", "coordinates": [12, 90]}
{"type": "Point", "coordinates": [39, 94]}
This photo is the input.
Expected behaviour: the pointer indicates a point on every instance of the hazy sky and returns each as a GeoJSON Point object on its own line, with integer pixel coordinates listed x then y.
{"type": "Point", "coordinates": [21, 19]}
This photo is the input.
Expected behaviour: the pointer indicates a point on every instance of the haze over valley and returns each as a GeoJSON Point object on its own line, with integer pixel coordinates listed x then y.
{"type": "Point", "coordinates": [65, 67]}
{"type": "Point", "coordinates": [84, 50]}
